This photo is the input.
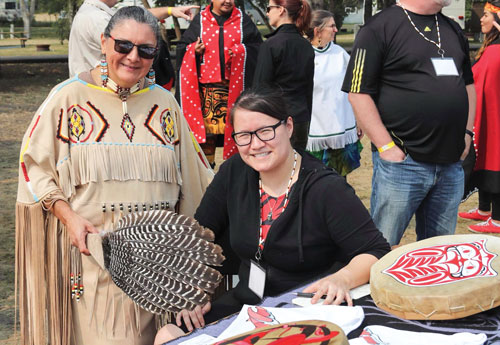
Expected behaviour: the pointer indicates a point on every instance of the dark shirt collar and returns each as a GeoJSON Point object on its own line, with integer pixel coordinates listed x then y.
{"type": "Point", "coordinates": [284, 28]}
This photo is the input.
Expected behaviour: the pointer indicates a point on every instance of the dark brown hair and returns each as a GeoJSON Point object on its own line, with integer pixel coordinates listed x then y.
{"type": "Point", "coordinates": [264, 100]}
{"type": "Point", "coordinates": [492, 35]}
{"type": "Point", "coordinates": [299, 11]}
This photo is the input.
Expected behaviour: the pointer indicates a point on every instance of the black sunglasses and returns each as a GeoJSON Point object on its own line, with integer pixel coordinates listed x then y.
{"type": "Point", "coordinates": [124, 47]}
{"type": "Point", "coordinates": [268, 8]}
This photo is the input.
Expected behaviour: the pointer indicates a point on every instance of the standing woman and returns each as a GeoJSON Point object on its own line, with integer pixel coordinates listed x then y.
{"type": "Point", "coordinates": [105, 143]}
{"type": "Point", "coordinates": [333, 137]}
{"type": "Point", "coordinates": [286, 61]}
{"type": "Point", "coordinates": [486, 175]}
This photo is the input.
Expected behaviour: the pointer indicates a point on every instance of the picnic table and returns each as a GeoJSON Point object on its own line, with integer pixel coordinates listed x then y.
{"type": "Point", "coordinates": [18, 34]}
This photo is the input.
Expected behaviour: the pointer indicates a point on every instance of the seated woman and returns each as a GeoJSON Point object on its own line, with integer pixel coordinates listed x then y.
{"type": "Point", "coordinates": [285, 211]}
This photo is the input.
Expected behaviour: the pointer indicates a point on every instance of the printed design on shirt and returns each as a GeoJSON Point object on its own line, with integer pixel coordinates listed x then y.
{"type": "Point", "coordinates": [371, 338]}
{"type": "Point", "coordinates": [164, 128]}
{"type": "Point", "coordinates": [271, 209]}
{"type": "Point", "coordinates": [80, 125]}
{"type": "Point", "coordinates": [443, 264]}
{"type": "Point", "coordinates": [357, 72]}
{"type": "Point", "coordinates": [169, 127]}
{"type": "Point", "coordinates": [261, 317]}
{"type": "Point", "coordinates": [128, 127]}
{"type": "Point", "coordinates": [104, 123]}
{"type": "Point", "coordinates": [60, 135]}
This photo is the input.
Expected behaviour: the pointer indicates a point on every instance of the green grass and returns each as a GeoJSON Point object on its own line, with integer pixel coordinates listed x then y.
{"type": "Point", "coordinates": [56, 48]}
{"type": "Point", "coordinates": [36, 32]}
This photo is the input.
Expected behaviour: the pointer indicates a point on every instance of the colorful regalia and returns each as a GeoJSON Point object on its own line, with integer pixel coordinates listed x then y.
{"type": "Point", "coordinates": [241, 40]}
{"type": "Point", "coordinates": [486, 71]}
{"type": "Point", "coordinates": [333, 137]}
{"type": "Point", "coordinates": [81, 148]}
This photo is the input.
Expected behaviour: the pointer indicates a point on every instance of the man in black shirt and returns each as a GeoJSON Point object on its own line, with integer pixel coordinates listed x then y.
{"type": "Point", "coordinates": [410, 84]}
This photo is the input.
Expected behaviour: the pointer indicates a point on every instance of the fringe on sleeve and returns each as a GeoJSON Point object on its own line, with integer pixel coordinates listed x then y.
{"type": "Point", "coordinates": [42, 277]}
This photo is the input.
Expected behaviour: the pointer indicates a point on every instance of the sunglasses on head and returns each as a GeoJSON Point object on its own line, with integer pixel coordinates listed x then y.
{"type": "Point", "coordinates": [144, 50]}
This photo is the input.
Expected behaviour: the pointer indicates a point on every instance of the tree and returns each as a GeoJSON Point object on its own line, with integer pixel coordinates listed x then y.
{"type": "Point", "coordinates": [27, 12]}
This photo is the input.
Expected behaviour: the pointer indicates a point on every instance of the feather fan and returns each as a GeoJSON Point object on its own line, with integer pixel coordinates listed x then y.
{"type": "Point", "coordinates": [160, 259]}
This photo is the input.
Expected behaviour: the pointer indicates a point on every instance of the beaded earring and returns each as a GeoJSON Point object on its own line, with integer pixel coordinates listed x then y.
{"type": "Point", "coordinates": [104, 71]}
{"type": "Point", "coordinates": [151, 77]}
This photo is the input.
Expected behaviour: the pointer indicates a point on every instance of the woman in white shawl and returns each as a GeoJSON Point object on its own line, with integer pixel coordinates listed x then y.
{"type": "Point", "coordinates": [333, 135]}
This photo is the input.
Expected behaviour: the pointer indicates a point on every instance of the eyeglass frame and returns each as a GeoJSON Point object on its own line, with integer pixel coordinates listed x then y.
{"type": "Point", "coordinates": [140, 48]}
{"type": "Point", "coordinates": [269, 7]}
{"type": "Point", "coordinates": [252, 133]}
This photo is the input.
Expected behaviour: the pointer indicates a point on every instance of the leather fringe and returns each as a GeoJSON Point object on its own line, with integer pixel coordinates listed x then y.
{"type": "Point", "coordinates": [42, 277]}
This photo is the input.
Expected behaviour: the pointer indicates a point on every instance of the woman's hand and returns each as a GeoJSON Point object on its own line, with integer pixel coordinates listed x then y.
{"type": "Point", "coordinates": [199, 47]}
{"type": "Point", "coordinates": [77, 226]}
{"type": "Point", "coordinates": [334, 286]}
{"type": "Point", "coordinates": [193, 317]}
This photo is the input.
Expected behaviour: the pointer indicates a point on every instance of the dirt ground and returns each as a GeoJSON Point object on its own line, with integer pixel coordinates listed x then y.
{"type": "Point", "coordinates": [23, 87]}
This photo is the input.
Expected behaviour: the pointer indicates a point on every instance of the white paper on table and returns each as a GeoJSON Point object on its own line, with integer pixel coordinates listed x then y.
{"type": "Point", "coordinates": [202, 339]}
{"type": "Point", "coordinates": [360, 291]}
{"type": "Point", "coordinates": [381, 335]}
{"type": "Point", "coordinates": [252, 317]}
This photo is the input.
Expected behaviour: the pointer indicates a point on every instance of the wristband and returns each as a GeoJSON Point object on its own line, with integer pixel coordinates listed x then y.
{"type": "Point", "coordinates": [386, 147]}
{"type": "Point", "coordinates": [169, 11]}
{"type": "Point", "coordinates": [467, 131]}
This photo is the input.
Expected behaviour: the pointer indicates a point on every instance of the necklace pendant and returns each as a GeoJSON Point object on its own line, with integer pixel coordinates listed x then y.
{"type": "Point", "coordinates": [270, 216]}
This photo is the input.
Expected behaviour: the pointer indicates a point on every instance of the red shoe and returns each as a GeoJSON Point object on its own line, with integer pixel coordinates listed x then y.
{"type": "Point", "coordinates": [485, 227]}
{"type": "Point", "coordinates": [474, 214]}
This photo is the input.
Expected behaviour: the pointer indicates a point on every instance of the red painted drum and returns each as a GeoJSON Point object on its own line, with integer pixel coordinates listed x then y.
{"type": "Point", "coordinates": [314, 332]}
{"type": "Point", "coordinates": [440, 278]}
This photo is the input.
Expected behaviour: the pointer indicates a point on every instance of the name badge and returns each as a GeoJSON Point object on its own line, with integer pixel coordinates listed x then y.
{"type": "Point", "coordinates": [257, 279]}
{"type": "Point", "coordinates": [444, 66]}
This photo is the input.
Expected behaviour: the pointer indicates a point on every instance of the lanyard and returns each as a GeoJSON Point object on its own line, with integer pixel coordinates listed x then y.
{"type": "Point", "coordinates": [438, 44]}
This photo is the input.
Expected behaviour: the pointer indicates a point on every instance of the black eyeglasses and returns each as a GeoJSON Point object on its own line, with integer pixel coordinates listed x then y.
{"type": "Point", "coordinates": [124, 47]}
{"type": "Point", "coordinates": [268, 8]}
{"type": "Point", "coordinates": [264, 134]}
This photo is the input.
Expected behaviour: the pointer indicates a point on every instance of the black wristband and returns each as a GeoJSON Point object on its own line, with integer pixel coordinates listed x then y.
{"type": "Point", "coordinates": [469, 132]}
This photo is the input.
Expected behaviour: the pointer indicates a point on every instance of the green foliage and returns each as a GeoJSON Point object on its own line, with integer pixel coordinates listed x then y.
{"type": "Point", "coordinates": [63, 28]}
{"type": "Point", "coordinates": [51, 6]}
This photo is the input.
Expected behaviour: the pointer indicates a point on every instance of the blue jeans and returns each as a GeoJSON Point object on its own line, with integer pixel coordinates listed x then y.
{"type": "Point", "coordinates": [430, 191]}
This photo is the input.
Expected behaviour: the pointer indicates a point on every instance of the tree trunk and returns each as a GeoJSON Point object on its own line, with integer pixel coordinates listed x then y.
{"type": "Point", "coordinates": [25, 14]}
{"type": "Point", "coordinates": [262, 14]}
{"type": "Point", "coordinates": [368, 10]}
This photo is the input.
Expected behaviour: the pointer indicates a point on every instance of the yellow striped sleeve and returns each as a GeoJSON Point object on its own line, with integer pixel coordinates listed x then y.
{"type": "Point", "coordinates": [357, 72]}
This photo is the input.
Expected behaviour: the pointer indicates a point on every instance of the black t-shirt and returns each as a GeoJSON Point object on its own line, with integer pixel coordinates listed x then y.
{"type": "Point", "coordinates": [425, 114]}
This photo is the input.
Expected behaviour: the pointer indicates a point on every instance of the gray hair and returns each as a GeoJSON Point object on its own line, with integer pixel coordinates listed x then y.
{"type": "Point", "coordinates": [318, 20]}
{"type": "Point", "coordinates": [138, 14]}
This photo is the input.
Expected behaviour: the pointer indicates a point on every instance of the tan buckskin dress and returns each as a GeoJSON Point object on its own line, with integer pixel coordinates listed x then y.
{"type": "Point", "coordinates": [80, 148]}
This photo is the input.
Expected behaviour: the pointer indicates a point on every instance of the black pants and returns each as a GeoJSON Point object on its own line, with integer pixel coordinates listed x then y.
{"type": "Point", "coordinates": [490, 201]}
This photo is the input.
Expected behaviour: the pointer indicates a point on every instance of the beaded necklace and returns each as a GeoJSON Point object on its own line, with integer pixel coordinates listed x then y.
{"type": "Point", "coordinates": [127, 125]}
{"type": "Point", "coordinates": [258, 255]}
{"type": "Point", "coordinates": [438, 44]}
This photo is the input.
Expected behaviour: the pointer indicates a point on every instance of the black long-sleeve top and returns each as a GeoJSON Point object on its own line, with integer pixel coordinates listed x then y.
{"type": "Point", "coordinates": [323, 226]}
{"type": "Point", "coordinates": [286, 61]}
